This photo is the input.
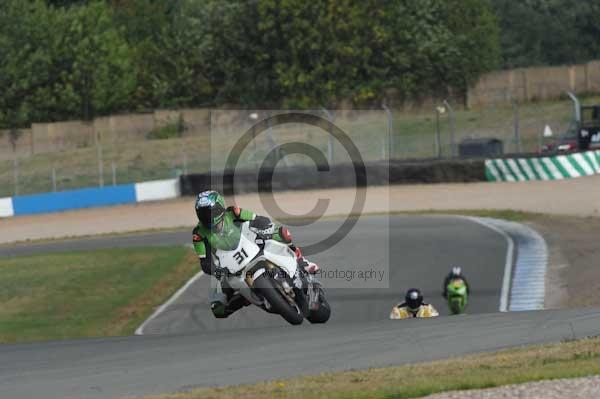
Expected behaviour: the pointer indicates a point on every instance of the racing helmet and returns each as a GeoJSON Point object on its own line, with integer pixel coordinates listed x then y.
{"type": "Point", "coordinates": [210, 208]}
{"type": "Point", "coordinates": [456, 271]}
{"type": "Point", "coordinates": [413, 299]}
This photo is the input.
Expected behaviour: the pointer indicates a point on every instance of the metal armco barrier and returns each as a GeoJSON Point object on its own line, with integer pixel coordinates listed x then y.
{"type": "Point", "coordinates": [89, 198]}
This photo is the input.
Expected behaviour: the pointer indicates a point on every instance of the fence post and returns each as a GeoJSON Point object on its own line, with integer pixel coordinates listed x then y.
{"type": "Point", "coordinates": [517, 127]}
{"type": "Point", "coordinates": [185, 163]}
{"type": "Point", "coordinates": [53, 178]}
{"type": "Point", "coordinates": [32, 142]}
{"type": "Point", "coordinates": [438, 139]}
{"type": "Point", "coordinates": [100, 167]}
{"type": "Point", "coordinates": [576, 107]}
{"type": "Point", "coordinates": [390, 132]}
{"type": "Point", "coordinates": [16, 174]}
{"type": "Point", "coordinates": [452, 129]}
{"type": "Point", "coordinates": [98, 143]}
{"type": "Point", "coordinates": [114, 173]}
{"type": "Point", "coordinates": [272, 143]}
{"type": "Point", "coordinates": [330, 141]}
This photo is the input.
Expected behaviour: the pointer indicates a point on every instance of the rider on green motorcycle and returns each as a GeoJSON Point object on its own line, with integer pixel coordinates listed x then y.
{"type": "Point", "coordinates": [456, 291]}
{"type": "Point", "coordinates": [216, 230]}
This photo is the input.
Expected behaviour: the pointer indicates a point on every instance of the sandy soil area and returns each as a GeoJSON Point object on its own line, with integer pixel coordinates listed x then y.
{"type": "Point", "coordinates": [579, 197]}
{"type": "Point", "coordinates": [574, 267]}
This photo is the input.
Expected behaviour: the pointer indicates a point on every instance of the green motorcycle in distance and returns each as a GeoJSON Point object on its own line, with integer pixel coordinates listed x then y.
{"type": "Point", "coordinates": [457, 296]}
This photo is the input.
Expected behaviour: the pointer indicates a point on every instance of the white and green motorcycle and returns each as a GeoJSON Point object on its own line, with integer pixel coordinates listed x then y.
{"type": "Point", "coordinates": [266, 273]}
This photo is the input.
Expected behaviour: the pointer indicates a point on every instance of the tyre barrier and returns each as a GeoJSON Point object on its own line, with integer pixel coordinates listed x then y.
{"type": "Point", "coordinates": [336, 176]}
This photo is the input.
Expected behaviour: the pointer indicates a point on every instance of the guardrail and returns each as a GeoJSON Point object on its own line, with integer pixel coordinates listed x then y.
{"type": "Point", "coordinates": [89, 198]}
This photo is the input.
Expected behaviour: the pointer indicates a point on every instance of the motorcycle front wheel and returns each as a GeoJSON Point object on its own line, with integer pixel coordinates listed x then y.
{"type": "Point", "coordinates": [456, 305]}
{"type": "Point", "coordinates": [267, 289]}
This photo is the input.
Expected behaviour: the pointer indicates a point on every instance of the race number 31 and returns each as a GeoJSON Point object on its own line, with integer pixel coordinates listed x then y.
{"type": "Point", "coordinates": [239, 256]}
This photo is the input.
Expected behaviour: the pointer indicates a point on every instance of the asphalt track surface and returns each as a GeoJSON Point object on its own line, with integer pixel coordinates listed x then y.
{"type": "Point", "coordinates": [408, 251]}
{"type": "Point", "coordinates": [187, 348]}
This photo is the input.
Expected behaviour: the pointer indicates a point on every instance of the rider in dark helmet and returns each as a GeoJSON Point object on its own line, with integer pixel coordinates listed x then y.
{"type": "Point", "coordinates": [413, 306]}
{"type": "Point", "coordinates": [216, 230]}
{"type": "Point", "coordinates": [413, 300]}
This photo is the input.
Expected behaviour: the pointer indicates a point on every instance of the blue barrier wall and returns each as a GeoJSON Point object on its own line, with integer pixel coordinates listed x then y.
{"type": "Point", "coordinates": [74, 199]}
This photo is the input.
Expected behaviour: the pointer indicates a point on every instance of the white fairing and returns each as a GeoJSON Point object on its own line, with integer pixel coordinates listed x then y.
{"type": "Point", "coordinates": [245, 252]}
{"type": "Point", "coordinates": [281, 255]}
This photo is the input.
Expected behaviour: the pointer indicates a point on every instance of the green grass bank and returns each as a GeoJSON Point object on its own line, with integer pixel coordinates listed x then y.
{"type": "Point", "coordinates": [89, 293]}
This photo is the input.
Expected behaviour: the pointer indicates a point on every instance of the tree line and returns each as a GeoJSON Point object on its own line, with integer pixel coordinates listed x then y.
{"type": "Point", "coordinates": [547, 32]}
{"type": "Point", "coordinates": [64, 59]}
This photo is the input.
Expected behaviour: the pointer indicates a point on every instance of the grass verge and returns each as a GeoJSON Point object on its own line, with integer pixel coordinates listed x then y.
{"type": "Point", "coordinates": [87, 294]}
{"type": "Point", "coordinates": [564, 360]}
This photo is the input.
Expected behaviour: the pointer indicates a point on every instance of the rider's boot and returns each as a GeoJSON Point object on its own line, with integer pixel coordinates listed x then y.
{"type": "Point", "coordinates": [219, 310]}
{"type": "Point", "coordinates": [223, 310]}
{"type": "Point", "coordinates": [225, 303]}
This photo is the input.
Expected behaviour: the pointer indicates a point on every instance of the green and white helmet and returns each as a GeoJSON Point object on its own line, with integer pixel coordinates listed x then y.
{"type": "Point", "coordinates": [210, 208]}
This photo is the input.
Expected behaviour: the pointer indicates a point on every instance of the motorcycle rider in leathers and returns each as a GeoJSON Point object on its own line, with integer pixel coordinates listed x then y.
{"type": "Point", "coordinates": [215, 229]}
{"type": "Point", "coordinates": [413, 306]}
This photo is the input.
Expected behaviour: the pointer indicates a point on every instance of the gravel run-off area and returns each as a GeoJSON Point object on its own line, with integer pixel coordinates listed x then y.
{"type": "Point", "coordinates": [574, 388]}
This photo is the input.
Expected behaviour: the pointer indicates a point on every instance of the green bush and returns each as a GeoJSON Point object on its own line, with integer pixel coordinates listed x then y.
{"type": "Point", "coordinates": [64, 60]}
{"type": "Point", "coordinates": [169, 131]}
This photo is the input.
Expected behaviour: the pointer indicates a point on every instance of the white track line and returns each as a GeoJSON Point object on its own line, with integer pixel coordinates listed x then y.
{"type": "Point", "coordinates": [506, 280]}
{"type": "Point", "coordinates": [174, 297]}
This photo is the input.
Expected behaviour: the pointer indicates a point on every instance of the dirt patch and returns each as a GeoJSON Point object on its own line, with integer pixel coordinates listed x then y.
{"type": "Point", "coordinates": [574, 269]}
{"type": "Point", "coordinates": [577, 197]}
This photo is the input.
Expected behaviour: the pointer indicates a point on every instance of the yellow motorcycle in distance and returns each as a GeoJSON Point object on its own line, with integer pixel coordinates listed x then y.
{"type": "Point", "coordinates": [413, 306]}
